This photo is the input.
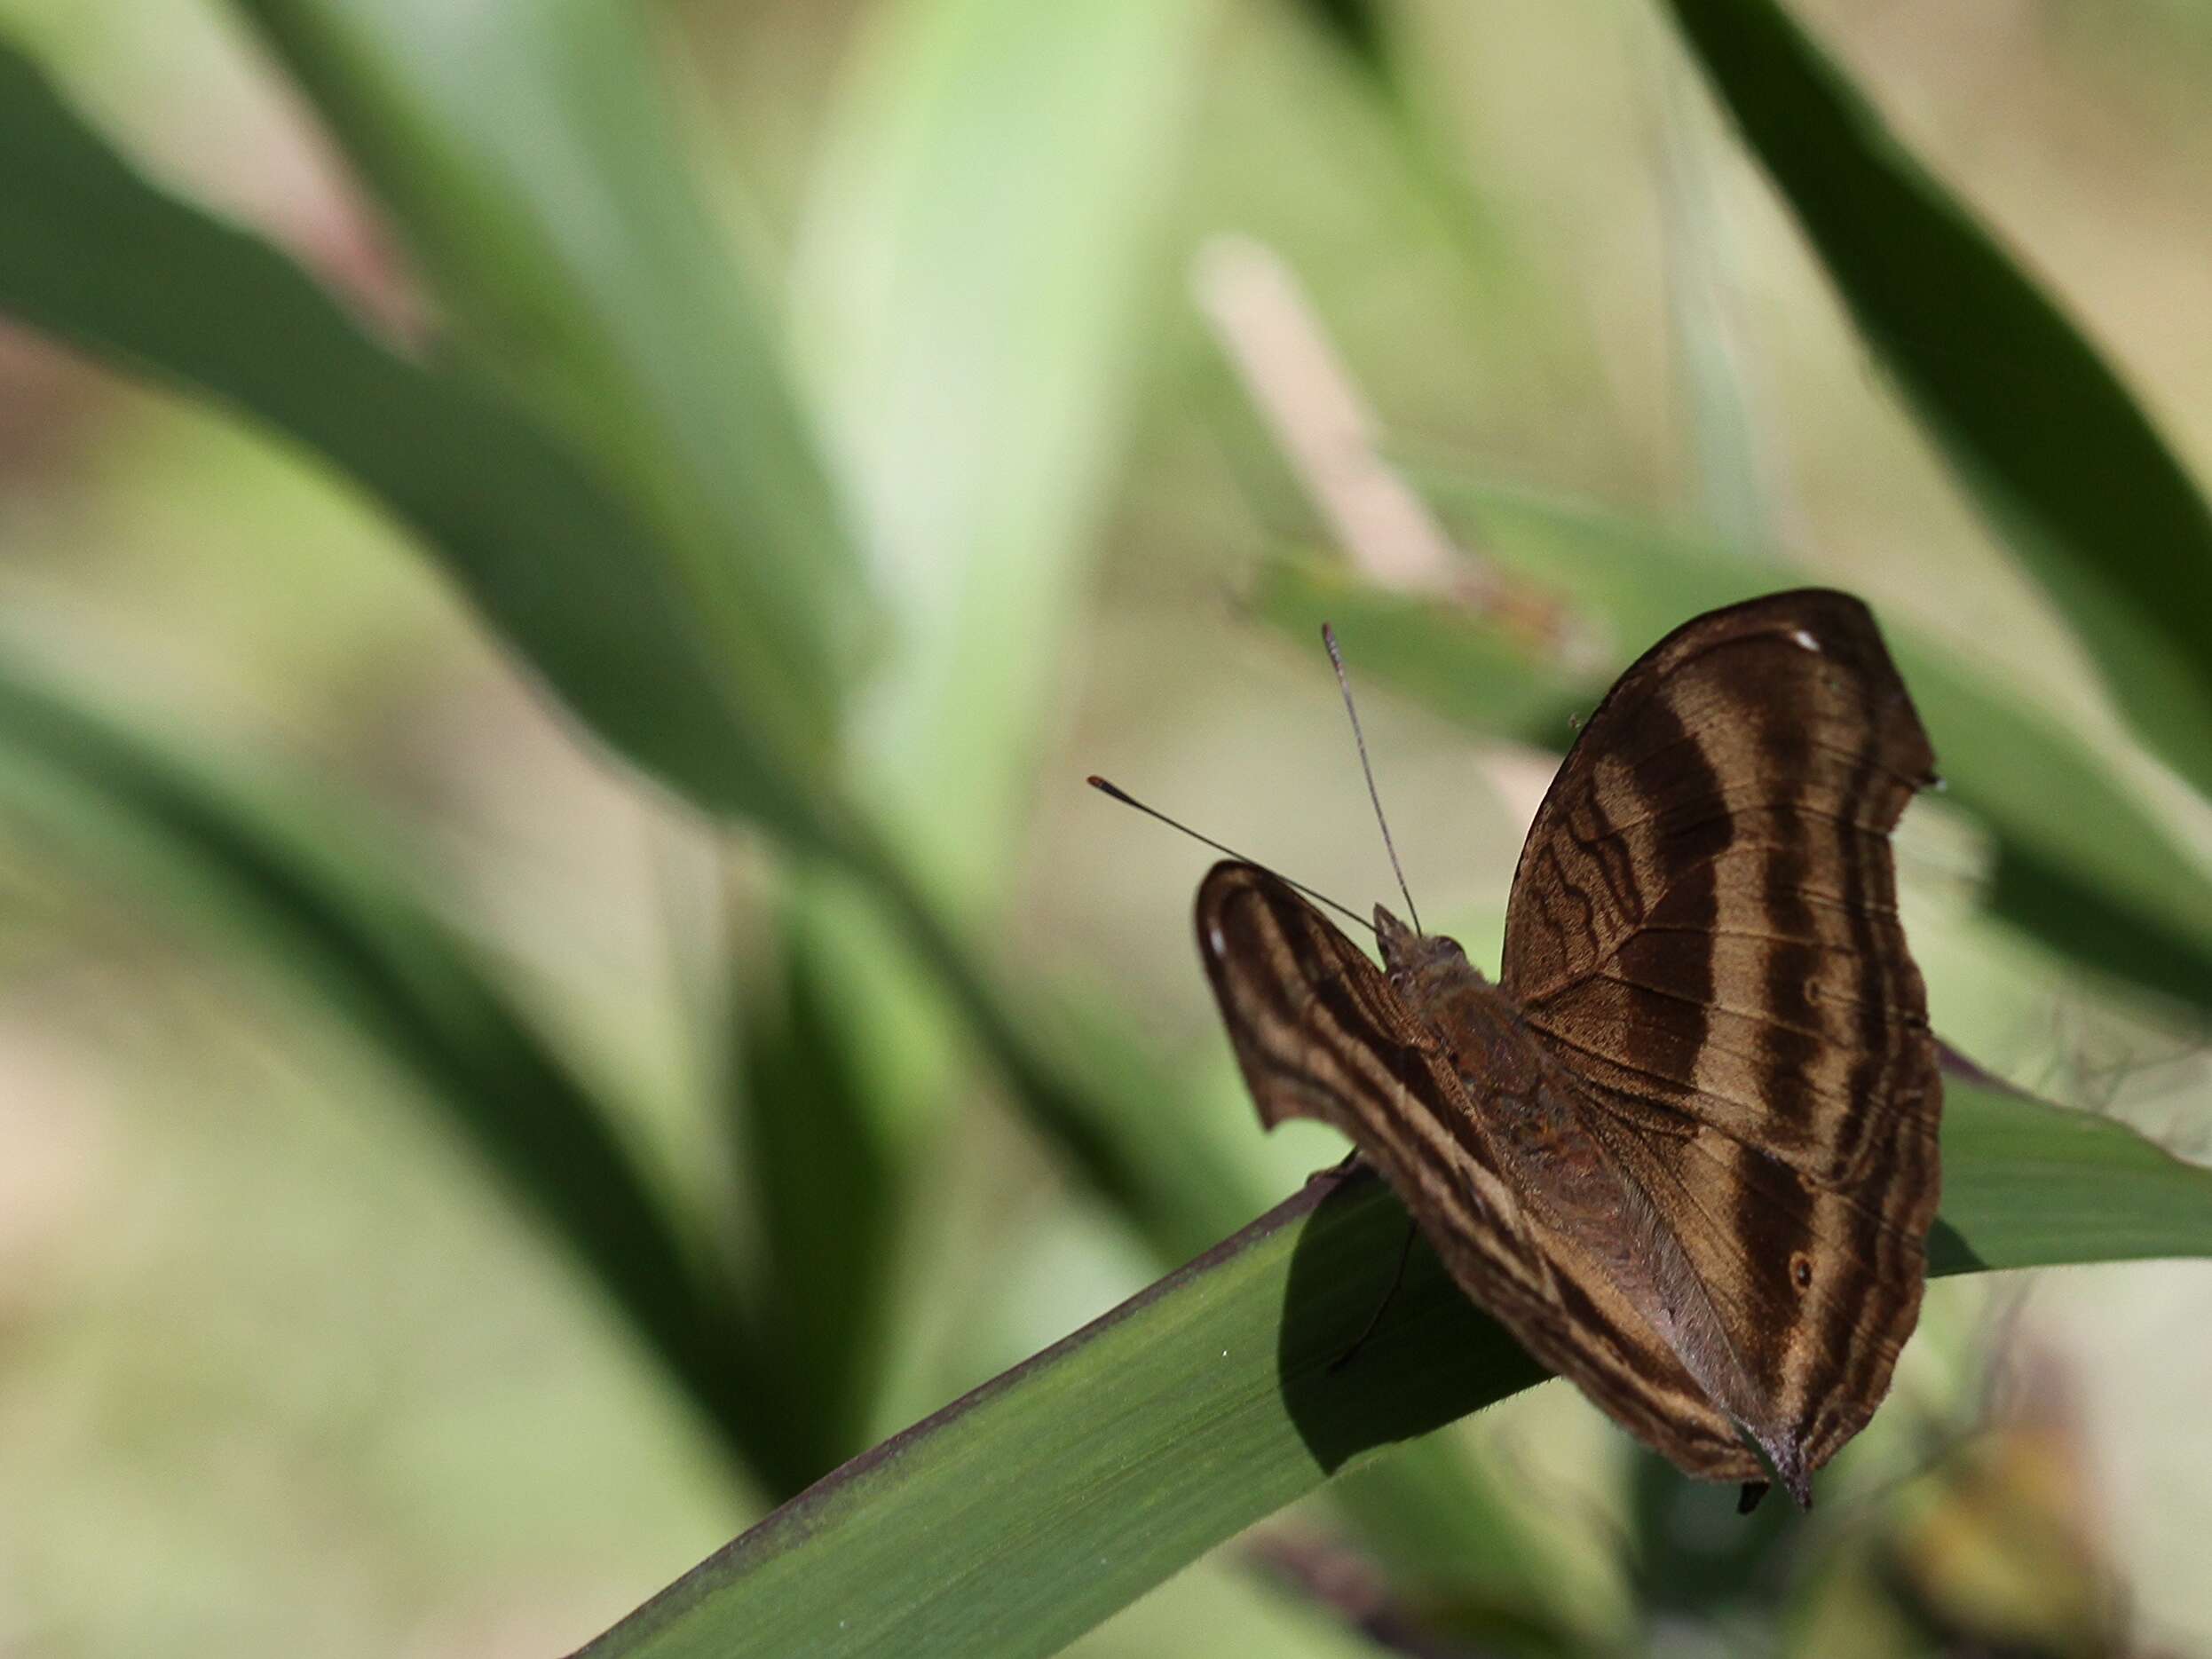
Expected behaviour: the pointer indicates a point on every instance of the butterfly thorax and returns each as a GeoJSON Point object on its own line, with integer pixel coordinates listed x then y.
{"type": "Point", "coordinates": [1432, 975]}
{"type": "Point", "coordinates": [1522, 1099]}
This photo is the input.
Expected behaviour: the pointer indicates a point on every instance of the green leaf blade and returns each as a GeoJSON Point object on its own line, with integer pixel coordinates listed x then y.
{"type": "Point", "coordinates": [561, 565]}
{"type": "Point", "coordinates": [975, 286]}
{"type": "Point", "coordinates": [1034, 1507]}
{"type": "Point", "coordinates": [304, 896]}
{"type": "Point", "coordinates": [2059, 455]}
{"type": "Point", "coordinates": [528, 155]}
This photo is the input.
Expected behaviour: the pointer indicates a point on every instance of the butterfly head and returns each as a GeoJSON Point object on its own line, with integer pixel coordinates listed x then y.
{"type": "Point", "coordinates": [1415, 960]}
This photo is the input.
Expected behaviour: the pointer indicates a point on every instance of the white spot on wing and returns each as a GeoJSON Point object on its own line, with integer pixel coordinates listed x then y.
{"type": "Point", "coordinates": [1215, 938]}
{"type": "Point", "coordinates": [1798, 636]}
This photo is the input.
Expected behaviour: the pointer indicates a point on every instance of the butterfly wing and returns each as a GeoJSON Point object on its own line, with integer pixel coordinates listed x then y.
{"type": "Point", "coordinates": [1320, 1033]}
{"type": "Point", "coordinates": [1704, 928]}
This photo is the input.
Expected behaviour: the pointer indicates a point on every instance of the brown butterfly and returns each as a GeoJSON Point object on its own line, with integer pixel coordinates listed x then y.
{"type": "Point", "coordinates": [1685, 1149]}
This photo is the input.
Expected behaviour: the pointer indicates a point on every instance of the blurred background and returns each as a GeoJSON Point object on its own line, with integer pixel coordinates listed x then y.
{"type": "Point", "coordinates": [1092, 315]}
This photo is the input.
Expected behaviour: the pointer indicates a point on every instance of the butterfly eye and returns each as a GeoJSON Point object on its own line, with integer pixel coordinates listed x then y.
{"type": "Point", "coordinates": [1801, 1270]}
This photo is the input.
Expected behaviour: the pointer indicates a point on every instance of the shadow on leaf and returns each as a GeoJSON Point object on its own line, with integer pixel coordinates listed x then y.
{"type": "Point", "coordinates": [1431, 1356]}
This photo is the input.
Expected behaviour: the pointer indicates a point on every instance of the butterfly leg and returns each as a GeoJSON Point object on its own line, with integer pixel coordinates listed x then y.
{"type": "Point", "coordinates": [1347, 1165]}
{"type": "Point", "coordinates": [1397, 1279]}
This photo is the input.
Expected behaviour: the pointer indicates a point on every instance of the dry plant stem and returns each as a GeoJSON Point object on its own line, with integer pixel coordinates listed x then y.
{"type": "Point", "coordinates": [1327, 432]}
{"type": "Point", "coordinates": [1331, 441]}
{"type": "Point", "coordinates": [1348, 1586]}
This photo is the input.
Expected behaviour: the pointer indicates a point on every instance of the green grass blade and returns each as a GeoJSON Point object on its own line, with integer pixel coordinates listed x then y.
{"type": "Point", "coordinates": [296, 891]}
{"type": "Point", "coordinates": [976, 280]}
{"type": "Point", "coordinates": [2159, 949]}
{"type": "Point", "coordinates": [977, 241]}
{"type": "Point", "coordinates": [846, 1059]}
{"type": "Point", "coordinates": [2060, 457]}
{"type": "Point", "coordinates": [528, 156]}
{"type": "Point", "coordinates": [1150, 1164]}
{"type": "Point", "coordinates": [1024, 1513]}
{"type": "Point", "coordinates": [1732, 444]}
{"type": "Point", "coordinates": [561, 566]}
{"type": "Point", "coordinates": [2027, 1184]}
{"type": "Point", "coordinates": [1357, 27]}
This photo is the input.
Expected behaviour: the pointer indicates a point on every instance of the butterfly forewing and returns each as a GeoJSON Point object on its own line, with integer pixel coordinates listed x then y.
{"type": "Point", "coordinates": [1704, 928]}
{"type": "Point", "coordinates": [1704, 914]}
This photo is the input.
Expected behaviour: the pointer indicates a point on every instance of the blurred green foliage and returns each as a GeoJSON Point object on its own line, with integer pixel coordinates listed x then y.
{"type": "Point", "coordinates": [802, 524]}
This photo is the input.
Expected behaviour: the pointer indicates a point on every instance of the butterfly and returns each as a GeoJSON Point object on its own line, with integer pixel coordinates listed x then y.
{"type": "Point", "coordinates": [1684, 1148]}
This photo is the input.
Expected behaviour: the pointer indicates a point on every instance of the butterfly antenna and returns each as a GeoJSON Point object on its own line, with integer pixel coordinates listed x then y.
{"type": "Point", "coordinates": [1336, 656]}
{"type": "Point", "coordinates": [1128, 800]}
